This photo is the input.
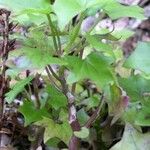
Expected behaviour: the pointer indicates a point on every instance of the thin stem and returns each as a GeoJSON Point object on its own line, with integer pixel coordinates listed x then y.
{"type": "Point", "coordinates": [28, 96]}
{"type": "Point", "coordinates": [53, 32]}
{"type": "Point", "coordinates": [4, 53]}
{"type": "Point", "coordinates": [53, 73]}
{"type": "Point", "coordinates": [58, 39]}
{"type": "Point", "coordinates": [36, 91]}
{"type": "Point", "coordinates": [73, 89]}
{"type": "Point", "coordinates": [83, 39]}
{"type": "Point", "coordinates": [74, 34]}
{"type": "Point", "coordinates": [95, 114]}
{"type": "Point", "coordinates": [51, 79]}
{"type": "Point", "coordinates": [74, 141]}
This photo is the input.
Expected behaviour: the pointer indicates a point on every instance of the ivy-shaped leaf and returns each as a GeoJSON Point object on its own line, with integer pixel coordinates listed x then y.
{"type": "Point", "coordinates": [40, 58]}
{"type": "Point", "coordinates": [17, 88]}
{"type": "Point", "coordinates": [95, 67]}
{"type": "Point", "coordinates": [27, 6]}
{"type": "Point", "coordinates": [99, 45]}
{"type": "Point", "coordinates": [31, 114]}
{"type": "Point", "coordinates": [56, 98]}
{"type": "Point", "coordinates": [83, 133]}
{"type": "Point", "coordinates": [112, 8]}
{"type": "Point", "coordinates": [62, 131]}
{"type": "Point", "coordinates": [138, 113]}
{"type": "Point", "coordinates": [135, 86]}
{"type": "Point", "coordinates": [139, 59]}
{"type": "Point", "coordinates": [143, 116]}
{"type": "Point", "coordinates": [68, 8]}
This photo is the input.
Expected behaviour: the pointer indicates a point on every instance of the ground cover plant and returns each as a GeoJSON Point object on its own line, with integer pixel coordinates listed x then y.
{"type": "Point", "coordinates": [65, 82]}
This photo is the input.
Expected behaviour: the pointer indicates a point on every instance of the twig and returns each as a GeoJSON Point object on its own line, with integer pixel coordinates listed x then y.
{"type": "Point", "coordinates": [4, 55]}
{"type": "Point", "coordinates": [51, 79]}
{"type": "Point", "coordinates": [53, 33]}
{"type": "Point", "coordinates": [95, 114]}
{"type": "Point", "coordinates": [36, 91]}
{"type": "Point", "coordinates": [73, 88]}
{"type": "Point", "coordinates": [74, 141]}
{"type": "Point", "coordinates": [53, 73]}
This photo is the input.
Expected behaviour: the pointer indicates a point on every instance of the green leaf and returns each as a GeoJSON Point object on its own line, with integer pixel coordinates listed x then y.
{"type": "Point", "coordinates": [143, 116]}
{"type": "Point", "coordinates": [27, 6]}
{"type": "Point", "coordinates": [82, 116]}
{"type": "Point", "coordinates": [99, 45]}
{"type": "Point", "coordinates": [112, 8]}
{"type": "Point", "coordinates": [95, 67]}
{"type": "Point", "coordinates": [131, 113]}
{"type": "Point", "coordinates": [83, 133]}
{"type": "Point", "coordinates": [56, 98]}
{"type": "Point", "coordinates": [139, 59]}
{"type": "Point", "coordinates": [114, 98]}
{"type": "Point", "coordinates": [135, 86]}
{"type": "Point", "coordinates": [62, 131]}
{"type": "Point", "coordinates": [138, 113]}
{"type": "Point", "coordinates": [17, 88]}
{"type": "Point", "coordinates": [63, 115]}
{"type": "Point", "coordinates": [31, 114]}
{"type": "Point", "coordinates": [40, 58]}
{"type": "Point", "coordinates": [30, 19]}
{"type": "Point", "coordinates": [133, 140]}
{"type": "Point", "coordinates": [73, 35]}
{"type": "Point", "coordinates": [68, 8]}
{"type": "Point", "coordinates": [53, 142]}
{"type": "Point", "coordinates": [122, 34]}
{"type": "Point", "coordinates": [91, 102]}
{"type": "Point", "coordinates": [37, 48]}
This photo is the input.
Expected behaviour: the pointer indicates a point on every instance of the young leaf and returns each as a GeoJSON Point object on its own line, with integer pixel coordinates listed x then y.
{"type": "Point", "coordinates": [83, 133]}
{"type": "Point", "coordinates": [62, 131]}
{"type": "Point", "coordinates": [139, 59]}
{"type": "Point", "coordinates": [143, 115]}
{"type": "Point", "coordinates": [95, 67]}
{"type": "Point", "coordinates": [82, 116]}
{"type": "Point", "coordinates": [112, 8]}
{"type": "Point", "coordinates": [40, 58]}
{"type": "Point", "coordinates": [56, 98]}
{"type": "Point", "coordinates": [31, 114]}
{"type": "Point", "coordinates": [99, 45]}
{"type": "Point", "coordinates": [135, 86]}
{"type": "Point", "coordinates": [27, 6]}
{"type": "Point", "coordinates": [68, 8]}
{"type": "Point", "coordinates": [138, 113]}
{"type": "Point", "coordinates": [17, 88]}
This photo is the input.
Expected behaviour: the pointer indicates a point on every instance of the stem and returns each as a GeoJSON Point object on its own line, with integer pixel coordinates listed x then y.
{"type": "Point", "coordinates": [51, 79]}
{"type": "Point", "coordinates": [27, 95]}
{"type": "Point", "coordinates": [74, 34]}
{"type": "Point", "coordinates": [36, 92]}
{"type": "Point", "coordinates": [53, 73]}
{"type": "Point", "coordinates": [90, 30]}
{"type": "Point", "coordinates": [53, 33]}
{"type": "Point", "coordinates": [4, 55]}
{"type": "Point", "coordinates": [58, 39]}
{"type": "Point", "coordinates": [73, 88]}
{"type": "Point", "coordinates": [95, 114]}
{"type": "Point", "coordinates": [74, 141]}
